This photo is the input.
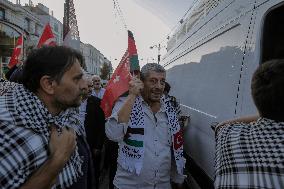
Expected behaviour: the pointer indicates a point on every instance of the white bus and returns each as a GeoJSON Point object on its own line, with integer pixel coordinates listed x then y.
{"type": "Point", "coordinates": [210, 62]}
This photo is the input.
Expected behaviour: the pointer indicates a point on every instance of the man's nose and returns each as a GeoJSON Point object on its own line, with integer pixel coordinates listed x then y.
{"type": "Point", "coordinates": [84, 84]}
{"type": "Point", "coordinates": [160, 85]}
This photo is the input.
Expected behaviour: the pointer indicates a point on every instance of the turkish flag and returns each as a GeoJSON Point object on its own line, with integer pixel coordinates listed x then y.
{"type": "Point", "coordinates": [178, 140]}
{"type": "Point", "coordinates": [17, 53]}
{"type": "Point", "coordinates": [117, 85]}
{"type": "Point", "coordinates": [119, 82]}
{"type": "Point", "coordinates": [47, 37]}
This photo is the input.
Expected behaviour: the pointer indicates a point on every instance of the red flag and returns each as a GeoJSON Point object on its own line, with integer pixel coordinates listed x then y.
{"type": "Point", "coordinates": [118, 84]}
{"type": "Point", "coordinates": [47, 37]}
{"type": "Point", "coordinates": [17, 53]}
{"type": "Point", "coordinates": [178, 140]}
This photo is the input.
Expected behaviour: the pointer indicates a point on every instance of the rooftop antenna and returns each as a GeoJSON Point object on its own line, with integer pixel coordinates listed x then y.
{"type": "Point", "coordinates": [70, 21]}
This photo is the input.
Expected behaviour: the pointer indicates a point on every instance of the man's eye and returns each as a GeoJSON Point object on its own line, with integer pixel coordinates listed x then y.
{"type": "Point", "coordinates": [78, 78]}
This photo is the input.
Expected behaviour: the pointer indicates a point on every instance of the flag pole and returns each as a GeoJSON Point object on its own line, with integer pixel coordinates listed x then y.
{"type": "Point", "coordinates": [24, 53]}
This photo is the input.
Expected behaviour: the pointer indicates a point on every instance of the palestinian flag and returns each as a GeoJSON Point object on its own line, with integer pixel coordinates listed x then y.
{"type": "Point", "coordinates": [118, 84]}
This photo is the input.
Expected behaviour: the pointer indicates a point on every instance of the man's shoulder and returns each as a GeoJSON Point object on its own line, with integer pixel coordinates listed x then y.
{"type": "Point", "coordinates": [231, 127]}
{"type": "Point", "coordinates": [94, 99]}
{"type": "Point", "coordinates": [9, 129]}
{"type": "Point", "coordinates": [23, 140]}
{"type": "Point", "coordinates": [119, 102]}
{"type": "Point", "coordinates": [24, 151]}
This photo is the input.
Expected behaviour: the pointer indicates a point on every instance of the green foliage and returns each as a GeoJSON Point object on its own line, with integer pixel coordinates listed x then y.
{"type": "Point", "coordinates": [105, 71]}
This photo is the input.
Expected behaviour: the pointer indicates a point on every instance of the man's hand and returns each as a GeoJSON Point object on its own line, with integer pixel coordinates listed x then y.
{"type": "Point", "coordinates": [62, 145]}
{"type": "Point", "coordinates": [135, 86]}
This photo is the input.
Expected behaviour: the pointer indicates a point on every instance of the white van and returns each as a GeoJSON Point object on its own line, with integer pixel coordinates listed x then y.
{"type": "Point", "coordinates": [210, 62]}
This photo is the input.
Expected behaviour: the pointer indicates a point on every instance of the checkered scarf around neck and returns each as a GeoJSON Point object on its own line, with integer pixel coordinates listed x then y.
{"type": "Point", "coordinates": [132, 149]}
{"type": "Point", "coordinates": [29, 112]}
{"type": "Point", "coordinates": [5, 86]}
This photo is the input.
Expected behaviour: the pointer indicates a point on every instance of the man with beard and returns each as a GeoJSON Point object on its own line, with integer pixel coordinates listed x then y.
{"type": "Point", "coordinates": [150, 140]}
{"type": "Point", "coordinates": [39, 124]}
{"type": "Point", "coordinates": [93, 118]}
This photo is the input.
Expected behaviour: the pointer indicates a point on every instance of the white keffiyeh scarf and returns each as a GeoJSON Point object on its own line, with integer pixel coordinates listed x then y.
{"type": "Point", "coordinates": [132, 150]}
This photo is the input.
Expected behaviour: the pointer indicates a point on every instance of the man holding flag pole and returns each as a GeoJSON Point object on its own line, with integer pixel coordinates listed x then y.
{"type": "Point", "coordinates": [145, 125]}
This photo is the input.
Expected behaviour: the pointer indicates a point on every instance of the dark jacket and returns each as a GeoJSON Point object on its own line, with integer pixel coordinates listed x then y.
{"type": "Point", "coordinates": [95, 123]}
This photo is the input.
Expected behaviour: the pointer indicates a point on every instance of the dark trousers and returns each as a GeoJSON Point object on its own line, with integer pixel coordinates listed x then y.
{"type": "Point", "coordinates": [111, 160]}
{"type": "Point", "coordinates": [97, 167]}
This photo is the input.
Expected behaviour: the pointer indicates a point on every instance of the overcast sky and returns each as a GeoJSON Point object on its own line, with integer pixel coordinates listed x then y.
{"type": "Point", "coordinates": [99, 24]}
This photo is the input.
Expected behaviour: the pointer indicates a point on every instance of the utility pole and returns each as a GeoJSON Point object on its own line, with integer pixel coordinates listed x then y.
{"type": "Point", "coordinates": [159, 55]}
{"type": "Point", "coordinates": [159, 51]}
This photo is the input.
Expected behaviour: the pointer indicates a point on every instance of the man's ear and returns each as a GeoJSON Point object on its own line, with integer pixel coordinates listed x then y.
{"type": "Point", "coordinates": [47, 84]}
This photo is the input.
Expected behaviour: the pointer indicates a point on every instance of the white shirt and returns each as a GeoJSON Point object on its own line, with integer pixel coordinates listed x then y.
{"type": "Point", "coordinates": [158, 165]}
{"type": "Point", "coordinates": [100, 94]}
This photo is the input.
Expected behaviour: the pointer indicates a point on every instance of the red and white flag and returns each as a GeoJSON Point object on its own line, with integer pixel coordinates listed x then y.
{"type": "Point", "coordinates": [47, 38]}
{"type": "Point", "coordinates": [17, 53]}
{"type": "Point", "coordinates": [119, 82]}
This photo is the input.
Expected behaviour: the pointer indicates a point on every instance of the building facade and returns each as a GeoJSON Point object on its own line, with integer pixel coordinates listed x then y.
{"type": "Point", "coordinates": [43, 13]}
{"type": "Point", "coordinates": [29, 21]}
{"type": "Point", "coordinates": [14, 22]}
{"type": "Point", "coordinates": [94, 59]}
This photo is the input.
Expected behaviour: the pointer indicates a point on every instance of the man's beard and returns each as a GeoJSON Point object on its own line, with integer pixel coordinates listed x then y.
{"type": "Point", "coordinates": [63, 105]}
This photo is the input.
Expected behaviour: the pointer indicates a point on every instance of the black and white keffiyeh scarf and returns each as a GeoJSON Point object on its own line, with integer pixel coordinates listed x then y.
{"type": "Point", "coordinates": [28, 111]}
{"type": "Point", "coordinates": [5, 86]}
{"type": "Point", "coordinates": [132, 150]}
{"type": "Point", "coordinates": [250, 155]}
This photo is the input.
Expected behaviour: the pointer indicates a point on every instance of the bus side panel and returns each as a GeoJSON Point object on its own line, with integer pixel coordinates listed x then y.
{"type": "Point", "coordinates": [205, 81]}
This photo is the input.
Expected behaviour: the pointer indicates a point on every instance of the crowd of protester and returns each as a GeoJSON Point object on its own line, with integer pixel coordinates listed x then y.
{"type": "Point", "coordinates": [54, 134]}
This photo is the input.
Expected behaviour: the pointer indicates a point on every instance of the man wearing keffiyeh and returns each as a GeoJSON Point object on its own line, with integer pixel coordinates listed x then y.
{"type": "Point", "coordinates": [150, 140]}
{"type": "Point", "coordinates": [250, 150]}
{"type": "Point", "coordinates": [39, 122]}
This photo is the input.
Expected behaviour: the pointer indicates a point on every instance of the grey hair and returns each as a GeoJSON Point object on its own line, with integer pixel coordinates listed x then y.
{"type": "Point", "coordinates": [97, 76]}
{"type": "Point", "coordinates": [151, 67]}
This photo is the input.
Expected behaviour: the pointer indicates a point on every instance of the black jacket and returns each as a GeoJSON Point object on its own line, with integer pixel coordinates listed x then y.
{"type": "Point", "coordinates": [95, 123]}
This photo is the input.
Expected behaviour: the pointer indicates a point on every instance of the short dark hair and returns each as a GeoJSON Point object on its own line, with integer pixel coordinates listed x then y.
{"type": "Point", "coordinates": [268, 89]}
{"type": "Point", "coordinates": [51, 61]}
